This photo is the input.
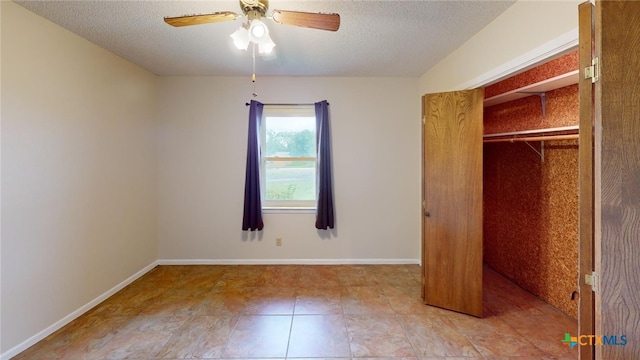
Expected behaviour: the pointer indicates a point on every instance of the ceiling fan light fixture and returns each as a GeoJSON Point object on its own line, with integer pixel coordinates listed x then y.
{"type": "Point", "coordinates": [241, 38]}
{"type": "Point", "coordinates": [258, 31]}
{"type": "Point", "coordinates": [255, 32]}
{"type": "Point", "coordinates": [266, 45]}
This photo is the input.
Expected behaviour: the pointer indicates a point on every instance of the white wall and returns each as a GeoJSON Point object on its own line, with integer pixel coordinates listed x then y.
{"type": "Point", "coordinates": [375, 124]}
{"type": "Point", "coordinates": [78, 173]}
{"type": "Point", "coordinates": [526, 33]}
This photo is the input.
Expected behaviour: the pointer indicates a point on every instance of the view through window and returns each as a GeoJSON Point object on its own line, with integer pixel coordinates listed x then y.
{"type": "Point", "coordinates": [289, 161]}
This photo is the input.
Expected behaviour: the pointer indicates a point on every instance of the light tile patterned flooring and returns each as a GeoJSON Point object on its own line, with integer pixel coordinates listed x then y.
{"type": "Point", "coordinates": [311, 311]}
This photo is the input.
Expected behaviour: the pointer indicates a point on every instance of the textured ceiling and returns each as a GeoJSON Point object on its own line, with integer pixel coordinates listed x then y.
{"type": "Point", "coordinates": [376, 38]}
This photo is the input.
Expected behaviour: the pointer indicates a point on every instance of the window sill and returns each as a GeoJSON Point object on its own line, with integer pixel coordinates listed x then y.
{"type": "Point", "coordinates": [288, 210]}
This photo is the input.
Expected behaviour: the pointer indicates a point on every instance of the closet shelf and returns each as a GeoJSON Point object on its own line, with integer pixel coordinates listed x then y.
{"type": "Point", "coordinates": [558, 133]}
{"type": "Point", "coordinates": [538, 88]}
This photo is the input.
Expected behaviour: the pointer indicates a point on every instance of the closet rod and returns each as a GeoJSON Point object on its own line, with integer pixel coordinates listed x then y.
{"type": "Point", "coordinates": [533, 138]}
{"type": "Point", "coordinates": [535, 132]}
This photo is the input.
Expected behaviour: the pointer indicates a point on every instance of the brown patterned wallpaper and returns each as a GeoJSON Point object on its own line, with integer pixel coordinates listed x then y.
{"type": "Point", "coordinates": [531, 218]}
{"type": "Point", "coordinates": [526, 113]}
{"type": "Point", "coordinates": [530, 206]}
{"type": "Point", "coordinates": [553, 68]}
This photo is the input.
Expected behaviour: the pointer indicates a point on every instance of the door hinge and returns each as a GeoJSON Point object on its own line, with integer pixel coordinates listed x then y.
{"type": "Point", "coordinates": [592, 72]}
{"type": "Point", "coordinates": [593, 280]}
{"type": "Point", "coordinates": [424, 120]}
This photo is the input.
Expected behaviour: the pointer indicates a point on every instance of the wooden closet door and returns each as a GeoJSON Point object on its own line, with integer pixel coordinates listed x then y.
{"type": "Point", "coordinates": [617, 177]}
{"type": "Point", "coordinates": [586, 266]}
{"type": "Point", "coordinates": [452, 198]}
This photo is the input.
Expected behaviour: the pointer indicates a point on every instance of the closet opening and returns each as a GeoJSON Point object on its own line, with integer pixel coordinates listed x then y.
{"type": "Point", "coordinates": [531, 178]}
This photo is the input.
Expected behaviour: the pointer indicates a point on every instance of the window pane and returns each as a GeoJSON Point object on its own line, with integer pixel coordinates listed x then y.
{"type": "Point", "coordinates": [290, 180]}
{"type": "Point", "coordinates": [290, 136]}
{"type": "Point", "coordinates": [288, 156]}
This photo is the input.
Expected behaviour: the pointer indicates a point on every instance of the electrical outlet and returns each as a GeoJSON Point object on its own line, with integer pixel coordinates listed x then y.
{"type": "Point", "coordinates": [278, 241]}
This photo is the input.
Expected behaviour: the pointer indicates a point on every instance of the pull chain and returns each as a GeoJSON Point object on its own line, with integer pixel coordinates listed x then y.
{"type": "Point", "coordinates": [253, 75]}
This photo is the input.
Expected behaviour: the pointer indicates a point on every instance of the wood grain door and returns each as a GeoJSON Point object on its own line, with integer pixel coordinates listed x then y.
{"type": "Point", "coordinates": [585, 253]}
{"type": "Point", "coordinates": [617, 177]}
{"type": "Point", "coordinates": [452, 199]}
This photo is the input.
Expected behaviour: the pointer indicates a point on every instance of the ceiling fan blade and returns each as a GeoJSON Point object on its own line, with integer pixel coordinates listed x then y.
{"type": "Point", "coordinates": [201, 19]}
{"type": "Point", "coordinates": [320, 21]}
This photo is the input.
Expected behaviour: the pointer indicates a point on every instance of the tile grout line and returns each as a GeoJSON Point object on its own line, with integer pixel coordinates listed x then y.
{"type": "Point", "coordinates": [397, 317]}
{"type": "Point", "coordinates": [465, 336]}
{"type": "Point", "coordinates": [286, 353]}
{"type": "Point", "coordinates": [404, 330]}
{"type": "Point", "coordinates": [236, 319]}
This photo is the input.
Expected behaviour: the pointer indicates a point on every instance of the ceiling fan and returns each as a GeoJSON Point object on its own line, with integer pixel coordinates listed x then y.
{"type": "Point", "coordinates": [254, 29]}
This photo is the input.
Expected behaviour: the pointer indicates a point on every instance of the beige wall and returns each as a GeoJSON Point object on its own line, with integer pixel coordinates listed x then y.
{"type": "Point", "coordinates": [78, 173]}
{"type": "Point", "coordinates": [375, 124]}
{"type": "Point", "coordinates": [526, 33]}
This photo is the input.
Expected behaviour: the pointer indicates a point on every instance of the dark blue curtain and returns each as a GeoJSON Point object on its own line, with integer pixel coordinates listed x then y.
{"type": "Point", "coordinates": [324, 208]}
{"type": "Point", "coordinates": [252, 219]}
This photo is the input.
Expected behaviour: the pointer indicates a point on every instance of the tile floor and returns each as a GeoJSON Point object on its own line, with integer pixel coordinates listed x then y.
{"type": "Point", "coordinates": [291, 311]}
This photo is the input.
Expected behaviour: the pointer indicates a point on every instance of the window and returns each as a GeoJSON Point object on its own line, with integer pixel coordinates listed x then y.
{"type": "Point", "coordinates": [289, 163]}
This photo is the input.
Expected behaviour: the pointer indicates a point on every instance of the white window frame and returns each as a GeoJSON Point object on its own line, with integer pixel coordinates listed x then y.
{"type": "Point", "coordinates": [285, 205]}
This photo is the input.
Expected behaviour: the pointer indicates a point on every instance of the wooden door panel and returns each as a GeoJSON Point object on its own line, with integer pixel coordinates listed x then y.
{"type": "Point", "coordinates": [617, 176]}
{"type": "Point", "coordinates": [452, 194]}
{"type": "Point", "coordinates": [586, 142]}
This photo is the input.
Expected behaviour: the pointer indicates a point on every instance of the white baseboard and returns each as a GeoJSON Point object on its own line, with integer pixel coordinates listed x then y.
{"type": "Point", "coordinates": [288, 261]}
{"type": "Point", "coordinates": [74, 315]}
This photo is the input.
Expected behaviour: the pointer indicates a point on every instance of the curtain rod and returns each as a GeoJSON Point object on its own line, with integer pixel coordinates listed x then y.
{"type": "Point", "coordinates": [247, 104]}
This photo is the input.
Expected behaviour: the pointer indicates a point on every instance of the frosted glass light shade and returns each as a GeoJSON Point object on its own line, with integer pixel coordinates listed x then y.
{"type": "Point", "coordinates": [241, 38]}
{"type": "Point", "coordinates": [266, 45]}
{"type": "Point", "coordinates": [254, 32]}
{"type": "Point", "coordinates": [257, 31]}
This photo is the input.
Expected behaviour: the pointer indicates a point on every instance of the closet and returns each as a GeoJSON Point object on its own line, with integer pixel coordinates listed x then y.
{"type": "Point", "coordinates": [500, 180]}
{"type": "Point", "coordinates": [531, 178]}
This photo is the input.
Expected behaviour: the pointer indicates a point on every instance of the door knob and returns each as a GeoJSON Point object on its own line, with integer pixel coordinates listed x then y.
{"type": "Point", "coordinates": [426, 214]}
